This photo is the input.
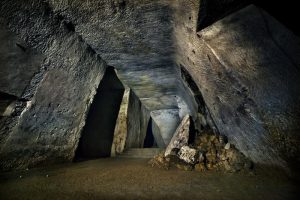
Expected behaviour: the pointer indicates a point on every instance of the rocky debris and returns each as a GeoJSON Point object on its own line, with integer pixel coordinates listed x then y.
{"type": "Point", "coordinates": [160, 161]}
{"type": "Point", "coordinates": [180, 137]}
{"type": "Point", "coordinates": [208, 152]}
{"type": "Point", "coordinates": [227, 146]}
{"type": "Point", "coordinates": [200, 167]}
{"type": "Point", "coordinates": [189, 155]}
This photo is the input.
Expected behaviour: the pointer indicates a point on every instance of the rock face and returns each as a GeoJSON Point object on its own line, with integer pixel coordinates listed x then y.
{"type": "Point", "coordinates": [68, 35]}
{"type": "Point", "coordinates": [120, 132]}
{"type": "Point", "coordinates": [98, 132]}
{"type": "Point", "coordinates": [134, 138]}
{"type": "Point", "coordinates": [131, 124]}
{"type": "Point", "coordinates": [25, 62]}
{"type": "Point", "coordinates": [137, 39]}
{"type": "Point", "coordinates": [189, 155]}
{"type": "Point", "coordinates": [167, 121]}
{"type": "Point", "coordinates": [252, 93]}
{"type": "Point", "coordinates": [48, 129]}
{"type": "Point", "coordinates": [180, 137]}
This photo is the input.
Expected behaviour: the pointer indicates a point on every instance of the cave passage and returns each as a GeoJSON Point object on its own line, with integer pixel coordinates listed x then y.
{"type": "Point", "coordinates": [97, 135]}
{"type": "Point", "coordinates": [149, 141]}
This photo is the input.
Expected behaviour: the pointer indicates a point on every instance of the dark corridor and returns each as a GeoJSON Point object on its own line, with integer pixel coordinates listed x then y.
{"type": "Point", "coordinates": [97, 135]}
{"type": "Point", "coordinates": [149, 141]}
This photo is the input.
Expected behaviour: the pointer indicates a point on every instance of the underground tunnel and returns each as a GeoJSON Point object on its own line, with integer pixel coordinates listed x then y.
{"type": "Point", "coordinates": [98, 132]}
{"type": "Point", "coordinates": [152, 99]}
{"type": "Point", "coordinates": [149, 141]}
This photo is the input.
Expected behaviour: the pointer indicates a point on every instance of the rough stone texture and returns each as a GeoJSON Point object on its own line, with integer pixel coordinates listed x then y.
{"type": "Point", "coordinates": [131, 125]}
{"type": "Point", "coordinates": [49, 127]}
{"type": "Point", "coordinates": [206, 152]}
{"type": "Point", "coordinates": [167, 120]}
{"type": "Point", "coordinates": [189, 155]}
{"type": "Point", "coordinates": [97, 134]}
{"type": "Point", "coordinates": [160, 161]}
{"type": "Point", "coordinates": [180, 137]}
{"type": "Point", "coordinates": [120, 133]}
{"type": "Point", "coordinates": [18, 63]}
{"type": "Point", "coordinates": [136, 37]}
{"type": "Point", "coordinates": [134, 139]}
{"type": "Point", "coordinates": [252, 94]}
{"type": "Point", "coordinates": [157, 135]}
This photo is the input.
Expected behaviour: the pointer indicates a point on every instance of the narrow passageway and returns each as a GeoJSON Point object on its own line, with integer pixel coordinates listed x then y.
{"type": "Point", "coordinates": [97, 135]}
{"type": "Point", "coordinates": [149, 141]}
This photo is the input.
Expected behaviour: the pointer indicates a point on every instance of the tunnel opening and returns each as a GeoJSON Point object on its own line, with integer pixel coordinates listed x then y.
{"type": "Point", "coordinates": [98, 132]}
{"type": "Point", "coordinates": [149, 141]}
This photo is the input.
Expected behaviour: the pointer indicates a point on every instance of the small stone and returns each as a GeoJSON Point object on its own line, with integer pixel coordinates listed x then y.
{"type": "Point", "coordinates": [201, 157]}
{"type": "Point", "coordinates": [212, 138]}
{"type": "Point", "coordinates": [160, 161]}
{"type": "Point", "coordinates": [200, 167]}
{"type": "Point", "coordinates": [27, 169]}
{"type": "Point", "coordinates": [20, 176]}
{"type": "Point", "coordinates": [189, 155]}
{"type": "Point", "coordinates": [209, 166]}
{"type": "Point", "coordinates": [47, 175]}
{"type": "Point", "coordinates": [227, 146]}
{"type": "Point", "coordinates": [227, 166]}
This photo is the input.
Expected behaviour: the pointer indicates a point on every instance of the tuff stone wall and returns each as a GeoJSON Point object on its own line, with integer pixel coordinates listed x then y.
{"type": "Point", "coordinates": [247, 69]}
{"type": "Point", "coordinates": [49, 127]}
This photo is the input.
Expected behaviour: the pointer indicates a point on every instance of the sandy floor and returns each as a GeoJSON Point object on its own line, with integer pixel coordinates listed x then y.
{"type": "Point", "coordinates": [134, 179]}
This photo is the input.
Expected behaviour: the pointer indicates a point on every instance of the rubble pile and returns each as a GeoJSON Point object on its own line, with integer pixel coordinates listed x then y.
{"type": "Point", "coordinates": [208, 151]}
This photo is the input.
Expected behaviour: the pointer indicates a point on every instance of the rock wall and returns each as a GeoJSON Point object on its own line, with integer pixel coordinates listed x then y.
{"type": "Point", "coordinates": [251, 93]}
{"type": "Point", "coordinates": [98, 133]}
{"type": "Point", "coordinates": [121, 128]}
{"type": "Point", "coordinates": [131, 125]}
{"type": "Point", "coordinates": [167, 121]}
{"type": "Point", "coordinates": [246, 67]}
{"type": "Point", "coordinates": [48, 129]}
{"type": "Point", "coordinates": [18, 63]}
{"type": "Point", "coordinates": [136, 37]}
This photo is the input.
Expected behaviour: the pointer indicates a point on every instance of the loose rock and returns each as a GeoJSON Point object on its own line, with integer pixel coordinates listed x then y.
{"type": "Point", "coordinates": [227, 146]}
{"type": "Point", "coordinates": [189, 155]}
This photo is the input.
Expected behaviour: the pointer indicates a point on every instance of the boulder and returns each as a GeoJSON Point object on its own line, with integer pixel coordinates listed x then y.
{"type": "Point", "coordinates": [181, 136]}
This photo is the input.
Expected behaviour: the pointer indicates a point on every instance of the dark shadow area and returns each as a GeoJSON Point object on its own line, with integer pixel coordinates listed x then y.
{"type": "Point", "coordinates": [285, 12]}
{"type": "Point", "coordinates": [192, 132]}
{"type": "Point", "coordinates": [187, 78]}
{"type": "Point", "coordinates": [5, 100]}
{"type": "Point", "coordinates": [149, 141]}
{"type": "Point", "coordinates": [97, 135]}
{"type": "Point", "coordinates": [213, 10]}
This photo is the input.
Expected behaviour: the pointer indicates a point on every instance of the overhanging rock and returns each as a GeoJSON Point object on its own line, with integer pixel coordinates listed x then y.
{"type": "Point", "coordinates": [247, 69]}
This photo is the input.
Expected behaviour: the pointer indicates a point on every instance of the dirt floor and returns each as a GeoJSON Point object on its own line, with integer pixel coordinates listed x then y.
{"type": "Point", "coordinates": [135, 179]}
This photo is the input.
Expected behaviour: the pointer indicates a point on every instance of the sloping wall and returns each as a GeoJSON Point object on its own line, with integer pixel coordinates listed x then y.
{"type": "Point", "coordinates": [49, 127]}
{"type": "Point", "coordinates": [98, 133]}
{"type": "Point", "coordinates": [247, 69]}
